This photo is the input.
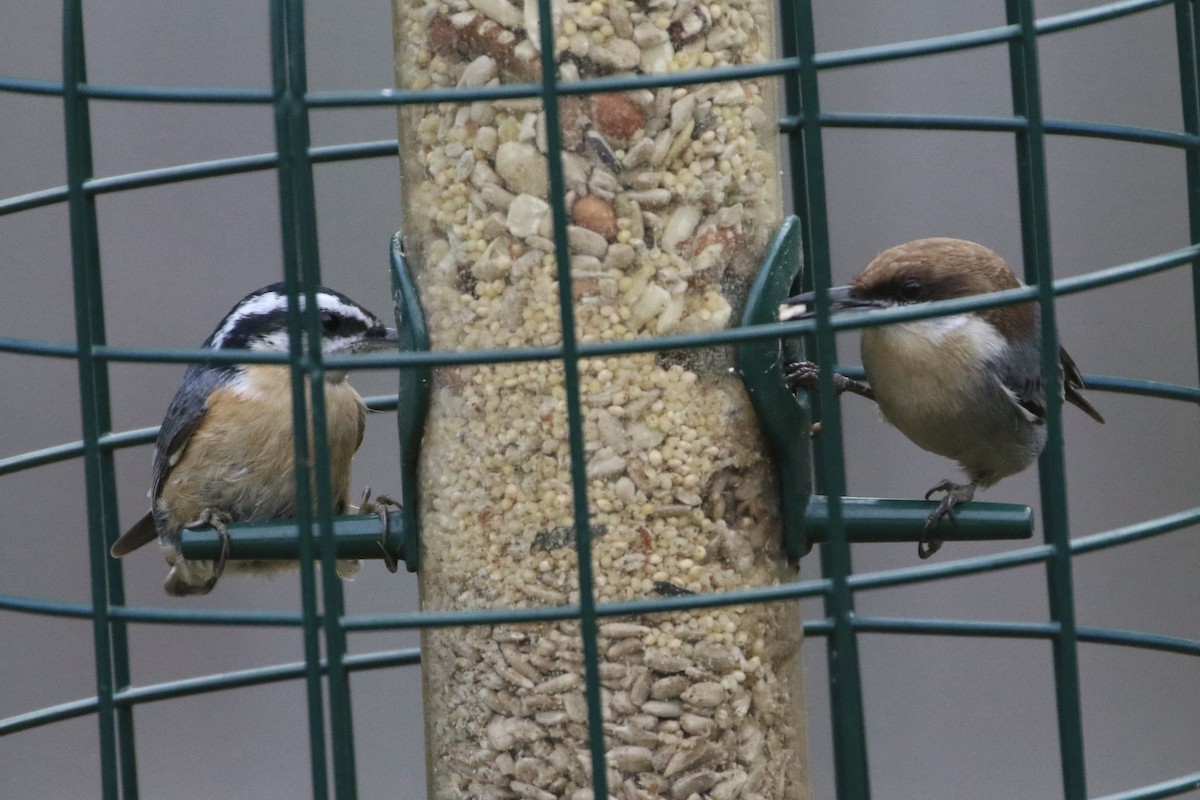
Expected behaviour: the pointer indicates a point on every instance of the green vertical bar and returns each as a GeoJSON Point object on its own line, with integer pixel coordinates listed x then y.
{"type": "Point", "coordinates": [117, 753]}
{"type": "Point", "coordinates": [566, 304]}
{"type": "Point", "coordinates": [1187, 33]}
{"type": "Point", "coordinates": [333, 607]}
{"type": "Point", "coordinates": [1194, 176]}
{"type": "Point", "coordinates": [845, 680]}
{"type": "Point", "coordinates": [1035, 228]}
{"type": "Point", "coordinates": [285, 104]}
{"type": "Point", "coordinates": [795, 141]}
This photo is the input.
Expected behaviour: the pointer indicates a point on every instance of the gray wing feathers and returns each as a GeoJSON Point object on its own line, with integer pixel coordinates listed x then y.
{"type": "Point", "coordinates": [1028, 391]}
{"type": "Point", "coordinates": [185, 413]}
{"type": "Point", "coordinates": [183, 416]}
{"type": "Point", "coordinates": [1023, 385]}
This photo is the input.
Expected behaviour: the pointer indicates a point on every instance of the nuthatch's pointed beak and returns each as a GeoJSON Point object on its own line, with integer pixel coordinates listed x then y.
{"type": "Point", "coordinates": [381, 338]}
{"type": "Point", "coordinates": [802, 306]}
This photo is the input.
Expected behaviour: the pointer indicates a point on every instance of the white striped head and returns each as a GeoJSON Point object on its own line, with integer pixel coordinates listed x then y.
{"type": "Point", "coordinates": [259, 323]}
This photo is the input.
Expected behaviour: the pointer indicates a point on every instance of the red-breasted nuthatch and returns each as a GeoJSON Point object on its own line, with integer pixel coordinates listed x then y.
{"type": "Point", "coordinates": [966, 386]}
{"type": "Point", "coordinates": [225, 451]}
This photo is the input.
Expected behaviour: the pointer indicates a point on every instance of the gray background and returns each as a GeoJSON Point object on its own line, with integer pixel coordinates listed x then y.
{"type": "Point", "coordinates": [946, 718]}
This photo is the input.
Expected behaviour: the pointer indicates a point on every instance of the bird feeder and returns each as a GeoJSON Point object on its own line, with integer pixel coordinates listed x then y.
{"type": "Point", "coordinates": [670, 197]}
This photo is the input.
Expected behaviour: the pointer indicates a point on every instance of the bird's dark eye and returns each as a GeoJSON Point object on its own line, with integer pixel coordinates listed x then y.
{"type": "Point", "coordinates": [910, 290]}
{"type": "Point", "coordinates": [331, 324]}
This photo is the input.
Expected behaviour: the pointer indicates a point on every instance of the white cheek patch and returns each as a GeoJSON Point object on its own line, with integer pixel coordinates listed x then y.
{"type": "Point", "coordinates": [981, 335]}
{"type": "Point", "coordinates": [242, 385]}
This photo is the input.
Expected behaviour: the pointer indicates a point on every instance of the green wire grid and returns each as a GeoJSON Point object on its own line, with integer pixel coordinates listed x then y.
{"type": "Point", "coordinates": [326, 669]}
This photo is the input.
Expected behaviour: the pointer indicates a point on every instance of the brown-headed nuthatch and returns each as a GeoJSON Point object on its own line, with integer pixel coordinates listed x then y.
{"type": "Point", "coordinates": [225, 451]}
{"type": "Point", "coordinates": [966, 386]}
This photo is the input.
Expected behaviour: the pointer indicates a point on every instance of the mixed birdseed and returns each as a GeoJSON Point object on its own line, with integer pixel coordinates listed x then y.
{"type": "Point", "coordinates": [671, 197]}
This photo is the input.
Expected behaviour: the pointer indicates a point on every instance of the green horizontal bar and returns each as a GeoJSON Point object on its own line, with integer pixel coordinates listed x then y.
{"type": "Point", "coordinates": [47, 608]}
{"type": "Point", "coordinates": [46, 716]}
{"type": "Point", "coordinates": [34, 347]}
{"type": "Point", "coordinates": [654, 605]}
{"type": "Point", "coordinates": [935, 45]}
{"type": "Point", "coordinates": [38, 458]}
{"type": "Point", "coordinates": [398, 97]}
{"type": "Point", "coordinates": [980, 38]}
{"type": "Point", "coordinates": [1026, 556]}
{"type": "Point", "coordinates": [1103, 383]}
{"type": "Point", "coordinates": [403, 97]}
{"type": "Point", "coordinates": [192, 355]}
{"type": "Point", "coordinates": [1143, 388]}
{"type": "Point", "coordinates": [1184, 256]}
{"type": "Point", "coordinates": [204, 684]}
{"type": "Point", "coordinates": [38, 199]}
{"type": "Point", "coordinates": [1171, 788]}
{"type": "Point", "coordinates": [511, 91]}
{"type": "Point", "coordinates": [832, 60]}
{"type": "Point", "coordinates": [257, 676]}
{"type": "Point", "coordinates": [954, 627]}
{"type": "Point", "coordinates": [1121, 133]}
{"type": "Point", "coordinates": [954, 122]}
{"type": "Point", "coordinates": [69, 450]}
{"type": "Point", "coordinates": [1097, 14]}
{"type": "Point", "coordinates": [130, 438]}
{"type": "Point", "coordinates": [1000, 629]}
{"type": "Point", "coordinates": [357, 536]}
{"type": "Point", "coordinates": [238, 165]}
{"type": "Point", "coordinates": [1140, 640]}
{"type": "Point", "coordinates": [1136, 532]}
{"type": "Point", "coordinates": [388, 147]}
{"type": "Point", "coordinates": [865, 581]}
{"type": "Point", "coordinates": [377, 148]}
{"type": "Point", "coordinates": [179, 616]}
{"type": "Point", "coordinates": [170, 616]}
{"type": "Point", "coordinates": [9, 83]}
{"type": "Point", "coordinates": [870, 519]}
{"type": "Point", "coordinates": [178, 94]}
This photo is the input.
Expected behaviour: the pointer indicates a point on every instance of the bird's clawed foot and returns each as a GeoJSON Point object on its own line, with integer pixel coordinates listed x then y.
{"type": "Point", "coordinates": [380, 506]}
{"type": "Point", "coordinates": [807, 375]}
{"type": "Point", "coordinates": [218, 521]}
{"type": "Point", "coordinates": [956, 494]}
{"type": "Point", "coordinates": [801, 375]}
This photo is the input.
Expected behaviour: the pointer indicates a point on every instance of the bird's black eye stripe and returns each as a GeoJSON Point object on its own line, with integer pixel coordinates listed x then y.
{"type": "Point", "coordinates": [331, 323]}
{"type": "Point", "coordinates": [910, 290]}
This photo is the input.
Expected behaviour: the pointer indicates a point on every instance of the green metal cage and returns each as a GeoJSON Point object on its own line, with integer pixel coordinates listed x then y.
{"type": "Point", "coordinates": [328, 665]}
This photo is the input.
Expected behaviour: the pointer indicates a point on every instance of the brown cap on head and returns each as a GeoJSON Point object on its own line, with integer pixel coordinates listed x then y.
{"type": "Point", "coordinates": [939, 269]}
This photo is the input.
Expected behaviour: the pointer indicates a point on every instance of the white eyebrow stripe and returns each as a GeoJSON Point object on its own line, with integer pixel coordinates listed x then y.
{"type": "Point", "coordinates": [327, 302]}
{"type": "Point", "coordinates": [256, 306]}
